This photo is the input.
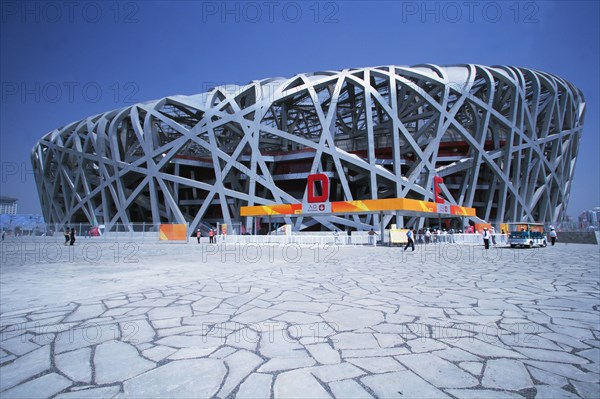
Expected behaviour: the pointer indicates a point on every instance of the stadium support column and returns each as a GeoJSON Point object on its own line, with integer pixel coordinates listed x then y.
{"type": "Point", "coordinates": [381, 227]}
{"type": "Point", "coordinates": [252, 176]}
{"type": "Point", "coordinates": [396, 142]}
{"type": "Point", "coordinates": [372, 159]}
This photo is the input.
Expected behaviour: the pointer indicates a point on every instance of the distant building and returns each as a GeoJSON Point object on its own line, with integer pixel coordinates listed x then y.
{"type": "Point", "coordinates": [22, 224]}
{"type": "Point", "coordinates": [590, 218]}
{"type": "Point", "coordinates": [8, 205]}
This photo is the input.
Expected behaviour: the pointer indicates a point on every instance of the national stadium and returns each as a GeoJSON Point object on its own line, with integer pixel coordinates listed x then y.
{"type": "Point", "coordinates": [504, 139]}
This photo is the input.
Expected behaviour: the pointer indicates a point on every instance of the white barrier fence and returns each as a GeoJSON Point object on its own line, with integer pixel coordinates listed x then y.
{"type": "Point", "coordinates": [302, 239]}
{"type": "Point", "coordinates": [357, 238]}
{"type": "Point", "coordinates": [113, 236]}
{"type": "Point", "coordinates": [473, 239]}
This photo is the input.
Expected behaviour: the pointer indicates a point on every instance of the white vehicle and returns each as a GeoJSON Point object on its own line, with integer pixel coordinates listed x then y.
{"type": "Point", "coordinates": [526, 235]}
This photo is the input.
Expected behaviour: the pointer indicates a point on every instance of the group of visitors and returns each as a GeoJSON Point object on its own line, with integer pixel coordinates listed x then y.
{"type": "Point", "coordinates": [212, 236]}
{"type": "Point", "coordinates": [428, 236]}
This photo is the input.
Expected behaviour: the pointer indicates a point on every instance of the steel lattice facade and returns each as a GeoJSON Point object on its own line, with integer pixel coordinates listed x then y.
{"type": "Point", "coordinates": [505, 140]}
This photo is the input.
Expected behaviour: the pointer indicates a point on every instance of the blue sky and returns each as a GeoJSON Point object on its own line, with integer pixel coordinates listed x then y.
{"type": "Point", "coordinates": [64, 60]}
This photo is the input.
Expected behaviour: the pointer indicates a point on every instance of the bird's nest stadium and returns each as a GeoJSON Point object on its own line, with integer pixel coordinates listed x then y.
{"type": "Point", "coordinates": [504, 139]}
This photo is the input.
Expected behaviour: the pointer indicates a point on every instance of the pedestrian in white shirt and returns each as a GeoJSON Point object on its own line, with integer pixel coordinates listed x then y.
{"type": "Point", "coordinates": [486, 238]}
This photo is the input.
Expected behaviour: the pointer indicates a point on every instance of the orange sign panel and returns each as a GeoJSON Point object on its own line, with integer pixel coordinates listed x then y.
{"type": "Point", "coordinates": [268, 210]}
{"type": "Point", "coordinates": [480, 226]}
{"type": "Point", "coordinates": [172, 232]}
{"type": "Point", "coordinates": [364, 206]}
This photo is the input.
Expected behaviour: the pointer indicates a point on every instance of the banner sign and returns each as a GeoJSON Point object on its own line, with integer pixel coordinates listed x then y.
{"type": "Point", "coordinates": [311, 181]}
{"type": "Point", "coordinates": [316, 208]}
{"type": "Point", "coordinates": [398, 236]}
{"type": "Point", "coordinates": [443, 208]}
{"type": "Point", "coordinates": [317, 204]}
{"type": "Point", "coordinates": [172, 232]}
{"type": "Point", "coordinates": [365, 206]}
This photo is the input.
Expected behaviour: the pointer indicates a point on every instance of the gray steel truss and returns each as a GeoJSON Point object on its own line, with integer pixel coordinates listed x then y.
{"type": "Point", "coordinates": [504, 139]}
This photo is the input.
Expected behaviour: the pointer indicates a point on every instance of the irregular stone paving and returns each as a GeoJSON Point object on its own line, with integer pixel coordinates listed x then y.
{"type": "Point", "coordinates": [371, 322]}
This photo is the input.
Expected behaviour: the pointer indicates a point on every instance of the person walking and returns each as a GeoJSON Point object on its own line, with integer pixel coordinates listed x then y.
{"type": "Point", "coordinates": [72, 236]}
{"type": "Point", "coordinates": [552, 236]}
{"type": "Point", "coordinates": [411, 242]}
{"type": "Point", "coordinates": [198, 234]}
{"type": "Point", "coordinates": [493, 234]}
{"type": "Point", "coordinates": [210, 236]}
{"type": "Point", "coordinates": [67, 235]}
{"type": "Point", "coordinates": [372, 236]}
{"type": "Point", "coordinates": [486, 238]}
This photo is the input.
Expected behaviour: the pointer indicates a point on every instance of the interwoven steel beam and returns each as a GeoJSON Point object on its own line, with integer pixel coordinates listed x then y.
{"type": "Point", "coordinates": [505, 139]}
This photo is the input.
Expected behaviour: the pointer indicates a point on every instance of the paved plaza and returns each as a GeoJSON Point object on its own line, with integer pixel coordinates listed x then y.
{"type": "Point", "coordinates": [146, 320]}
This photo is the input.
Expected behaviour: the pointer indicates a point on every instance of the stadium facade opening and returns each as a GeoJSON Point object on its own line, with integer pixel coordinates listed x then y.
{"type": "Point", "coordinates": [504, 139]}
